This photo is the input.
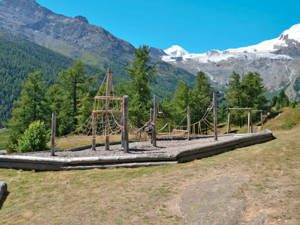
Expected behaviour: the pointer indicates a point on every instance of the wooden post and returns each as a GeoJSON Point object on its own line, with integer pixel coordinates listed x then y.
{"type": "Point", "coordinates": [154, 121]}
{"type": "Point", "coordinates": [125, 124]}
{"type": "Point", "coordinates": [94, 130]}
{"type": "Point", "coordinates": [261, 118]}
{"type": "Point", "coordinates": [188, 123]}
{"type": "Point", "coordinates": [53, 128]}
{"type": "Point", "coordinates": [200, 128]}
{"type": "Point", "coordinates": [108, 86]}
{"type": "Point", "coordinates": [248, 120]}
{"type": "Point", "coordinates": [228, 123]}
{"type": "Point", "coordinates": [151, 121]}
{"type": "Point", "coordinates": [215, 117]}
{"type": "Point", "coordinates": [194, 129]}
{"type": "Point", "coordinates": [251, 125]}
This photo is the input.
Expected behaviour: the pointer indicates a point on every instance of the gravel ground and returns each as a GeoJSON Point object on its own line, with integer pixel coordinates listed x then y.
{"type": "Point", "coordinates": [145, 148]}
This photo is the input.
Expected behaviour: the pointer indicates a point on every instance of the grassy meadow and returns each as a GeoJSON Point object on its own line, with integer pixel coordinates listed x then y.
{"type": "Point", "coordinates": [151, 195]}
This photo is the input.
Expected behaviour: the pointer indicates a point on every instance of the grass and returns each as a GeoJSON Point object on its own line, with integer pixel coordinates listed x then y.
{"type": "Point", "coordinates": [151, 195]}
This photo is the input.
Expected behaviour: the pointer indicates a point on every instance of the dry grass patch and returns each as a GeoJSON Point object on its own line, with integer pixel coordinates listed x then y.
{"type": "Point", "coordinates": [150, 195]}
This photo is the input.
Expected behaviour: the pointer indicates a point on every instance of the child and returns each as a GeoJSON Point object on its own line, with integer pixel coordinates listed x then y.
{"type": "Point", "coordinates": [149, 129]}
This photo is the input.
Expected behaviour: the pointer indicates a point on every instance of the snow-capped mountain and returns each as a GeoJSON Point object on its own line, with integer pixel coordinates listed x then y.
{"type": "Point", "coordinates": [176, 51]}
{"type": "Point", "coordinates": [277, 60]}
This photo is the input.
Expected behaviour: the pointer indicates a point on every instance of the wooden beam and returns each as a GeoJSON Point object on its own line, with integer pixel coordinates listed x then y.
{"type": "Point", "coordinates": [251, 125]}
{"type": "Point", "coordinates": [239, 108]}
{"type": "Point", "coordinates": [53, 128]}
{"type": "Point", "coordinates": [215, 116]}
{"type": "Point", "coordinates": [248, 121]}
{"type": "Point", "coordinates": [154, 121]}
{"type": "Point", "coordinates": [151, 121]}
{"type": "Point", "coordinates": [188, 123]}
{"type": "Point", "coordinates": [108, 87]}
{"type": "Point", "coordinates": [107, 111]}
{"type": "Point", "coordinates": [94, 130]}
{"type": "Point", "coordinates": [228, 123]}
{"type": "Point", "coordinates": [109, 97]}
{"type": "Point", "coordinates": [125, 124]}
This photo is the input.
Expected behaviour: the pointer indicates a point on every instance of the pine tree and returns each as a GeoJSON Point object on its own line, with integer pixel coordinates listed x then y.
{"type": "Point", "coordinates": [138, 89]}
{"type": "Point", "coordinates": [202, 94]}
{"type": "Point", "coordinates": [183, 98]}
{"type": "Point", "coordinates": [58, 102]}
{"type": "Point", "coordinates": [31, 107]}
{"type": "Point", "coordinates": [76, 83]}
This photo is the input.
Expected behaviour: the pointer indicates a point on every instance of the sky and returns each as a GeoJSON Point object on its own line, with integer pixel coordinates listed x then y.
{"type": "Point", "coordinates": [195, 25]}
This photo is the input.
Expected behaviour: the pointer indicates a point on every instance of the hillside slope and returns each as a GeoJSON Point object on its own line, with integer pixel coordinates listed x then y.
{"type": "Point", "coordinates": [18, 58]}
{"type": "Point", "coordinates": [76, 38]}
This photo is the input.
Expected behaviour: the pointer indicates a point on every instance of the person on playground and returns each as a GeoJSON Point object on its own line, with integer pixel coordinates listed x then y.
{"type": "Point", "coordinates": [149, 128]}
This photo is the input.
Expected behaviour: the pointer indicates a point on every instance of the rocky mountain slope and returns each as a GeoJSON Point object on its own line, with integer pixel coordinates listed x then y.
{"type": "Point", "coordinates": [76, 38]}
{"type": "Point", "coordinates": [277, 60]}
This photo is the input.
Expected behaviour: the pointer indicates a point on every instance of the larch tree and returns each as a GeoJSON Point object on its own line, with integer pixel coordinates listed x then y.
{"type": "Point", "coordinates": [76, 83]}
{"type": "Point", "coordinates": [141, 75]}
{"type": "Point", "coordinates": [29, 108]}
{"type": "Point", "coordinates": [202, 94]}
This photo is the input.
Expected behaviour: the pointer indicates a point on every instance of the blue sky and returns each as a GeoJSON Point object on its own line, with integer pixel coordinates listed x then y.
{"type": "Point", "coordinates": [197, 26]}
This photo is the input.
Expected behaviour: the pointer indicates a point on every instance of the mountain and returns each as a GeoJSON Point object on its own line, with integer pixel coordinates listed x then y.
{"type": "Point", "coordinates": [277, 60]}
{"type": "Point", "coordinates": [18, 58]}
{"type": "Point", "coordinates": [76, 38]}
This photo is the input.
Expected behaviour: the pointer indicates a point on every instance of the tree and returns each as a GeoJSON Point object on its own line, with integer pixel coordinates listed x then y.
{"type": "Point", "coordinates": [141, 75]}
{"type": "Point", "coordinates": [233, 95]}
{"type": "Point", "coordinates": [249, 93]}
{"type": "Point", "coordinates": [58, 102]}
{"type": "Point", "coordinates": [76, 83]}
{"type": "Point", "coordinates": [202, 94]}
{"type": "Point", "coordinates": [31, 107]}
{"type": "Point", "coordinates": [34, 139]}
{"type": "Point", "coordinates": [183, 98]}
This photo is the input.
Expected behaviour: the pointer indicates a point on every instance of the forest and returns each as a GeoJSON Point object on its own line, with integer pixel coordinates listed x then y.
{"type": "Point", "coordinates": [71, 94]}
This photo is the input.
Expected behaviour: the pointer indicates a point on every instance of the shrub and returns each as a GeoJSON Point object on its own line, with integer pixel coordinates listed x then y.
{"type": "Point", "coordinates": [34, 139]}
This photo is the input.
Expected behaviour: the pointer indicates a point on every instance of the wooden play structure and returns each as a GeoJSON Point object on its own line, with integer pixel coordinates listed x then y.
{"type": "Point", "coordinates": [250, 125]}
{"type": "Point", "coordinates": [102, 121]}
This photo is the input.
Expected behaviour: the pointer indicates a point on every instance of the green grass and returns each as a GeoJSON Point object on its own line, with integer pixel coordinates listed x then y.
{"type": "Point", "coordinates": [4, 135]}
{"type": "Point", "coordinates": [151, 195]}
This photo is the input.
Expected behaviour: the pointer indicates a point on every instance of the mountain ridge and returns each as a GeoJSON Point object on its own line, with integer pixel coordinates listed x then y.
{"type": "Point", "coordinates": [80, 40]}
{"type": "Point", "coordinates": [277, 60]}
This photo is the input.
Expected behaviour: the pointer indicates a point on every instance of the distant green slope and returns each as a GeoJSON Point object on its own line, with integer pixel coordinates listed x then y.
{"type": "Point", "coordinates": [18, 58]}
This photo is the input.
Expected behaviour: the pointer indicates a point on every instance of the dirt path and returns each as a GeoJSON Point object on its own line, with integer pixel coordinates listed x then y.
{"type": "Point", "coordinates": [217, 201]}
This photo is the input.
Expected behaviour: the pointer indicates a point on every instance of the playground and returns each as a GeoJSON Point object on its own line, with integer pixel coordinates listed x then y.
{"type": "Point", "coordinates": [144, 146]}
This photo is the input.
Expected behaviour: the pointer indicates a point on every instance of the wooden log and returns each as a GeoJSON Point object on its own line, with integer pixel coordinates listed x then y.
{"type": "Point", "coordinates": [94, 130]}
{"type": "Point", "coordinates": [215, 117]}
{"type": "Point", "coordinates": [107, 111]}
{"type": "Point", "coordinates": [188, 123]}
{"type": "Point", "coordinates": [154, 121]}
{"type": "Point", "coordinates": [251, 124]}
{"type": "Point", "coordinates": [109, 97]}
{"type": "Point", "coordinates": [248, 121]}
{"type": "Point", "coordinates": [151, 121]}
{"type": "Point", "coordinates": [53, 128]}
{"type": "Point", "coordinates": [228, 123]}
{"type": "Point", "coordinates": [239, 108]}
{"type": "Point", "coordinates": [125, 124]}
{"type": "Point", "coordinates": [3, 189]}
{"type": "Point", "coordinates": [108, 87]}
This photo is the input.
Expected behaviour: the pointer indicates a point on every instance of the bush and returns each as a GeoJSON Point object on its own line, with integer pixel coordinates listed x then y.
{"type": "Point", "coordinates": [289, 124]}
{"type": "Point", "coordinates": [34, 139]}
